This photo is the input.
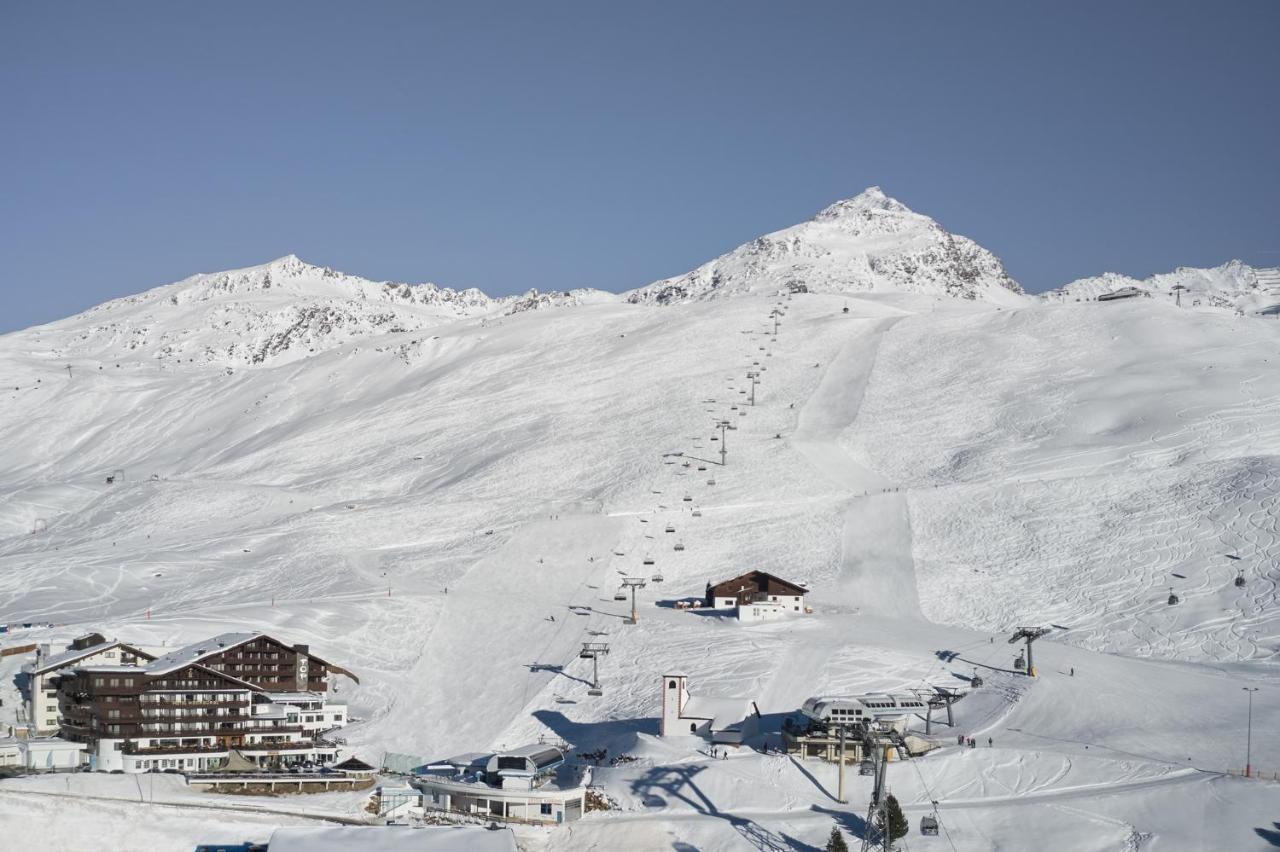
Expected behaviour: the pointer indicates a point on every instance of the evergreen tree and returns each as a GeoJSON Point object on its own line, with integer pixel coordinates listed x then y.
{"type": "Point", "coordinates": [897, 821]}
{"type": "Point", "coordinates": [836, 842]}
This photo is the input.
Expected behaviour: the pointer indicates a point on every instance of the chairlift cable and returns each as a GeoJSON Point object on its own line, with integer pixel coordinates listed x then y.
{"type": "Point", "coordinates": [934, 801]}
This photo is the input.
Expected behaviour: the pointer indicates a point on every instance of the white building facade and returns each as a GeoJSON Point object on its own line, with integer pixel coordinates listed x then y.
{"type": "Point", "coordinates": [728, 721]}
{"type": "Point", "coordinates": [757, 596]}
{"type": "Point", "coordinates": [42, 684]}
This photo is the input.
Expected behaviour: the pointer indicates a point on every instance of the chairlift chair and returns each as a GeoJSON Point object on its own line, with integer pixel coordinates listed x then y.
{"type": "Point", "coordinates": [648, 560]}
{"type": "Point", "coordinates": [1173, 599]}
{"type": "Point", "coordinates": [1240, 580]}
{"type": "Point", "coordinates": [702, 467]}
{"type": "Point", "coordinates": [1020, 662]}
{"type": "Point", "coordinates": [711, 482]}
{"type": "Point", "coordinates": [585, 655]}
{"type": "Point", "coordinates": [679, 546]}
{"type": "Point", "coordinates": [656, 578]}
{"type": "Point", "coordinates": [928, 824]}
{"type": "Point", "coordinates": [697, 513]}
{"type": "Point", "coordinates": [975, 682]}
{"type": "Point", "coordinates": [595, 691]}
{"type": "Point", "coordinates": [619, 595]}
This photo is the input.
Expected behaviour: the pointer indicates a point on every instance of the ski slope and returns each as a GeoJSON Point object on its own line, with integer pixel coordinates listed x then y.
{"type": "Point", "coordinates": [448, 511]}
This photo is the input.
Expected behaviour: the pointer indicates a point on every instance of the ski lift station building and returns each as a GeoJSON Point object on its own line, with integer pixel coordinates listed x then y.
{"type": "Point", "coordinates": [757, 596]}
{"type": "Point", "coordinates": [533, 783]}
{"type": "Point", "coordinates": [814, 731]}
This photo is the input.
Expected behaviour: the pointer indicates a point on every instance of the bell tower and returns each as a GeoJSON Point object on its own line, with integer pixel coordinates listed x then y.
{"type": "Point", "coordinates": [674, 696]}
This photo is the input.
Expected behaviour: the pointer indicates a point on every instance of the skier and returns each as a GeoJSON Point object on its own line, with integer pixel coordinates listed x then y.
{"type": "Point", "coordinates": [989, 742]}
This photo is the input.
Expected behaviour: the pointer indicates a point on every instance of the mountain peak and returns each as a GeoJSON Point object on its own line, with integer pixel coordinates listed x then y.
{"type": "Point", "coordinates": [871, 198]}
{"type": "Point", "coordinates": [867, 243]}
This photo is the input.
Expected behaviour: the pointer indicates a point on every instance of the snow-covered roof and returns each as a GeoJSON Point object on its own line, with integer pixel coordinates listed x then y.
{"type": "Point", "coordinates": [351, 838]}
{"type": "Point", "coordinates": [197, 651]}
{"type": "Point", "coordinates": [533, 750]}
{"type": "Point", "coordinates": [724, 713]}
{"type": "Point", "coordinates": [470, 758]}
{"type": "Point", "coordinates": [291, 697]}
{"type": "Point", "coordinates": [539, 756]}
{"type": "Point", "coordinates": [52, 743]}
{"type": "Point", "coordinates": [58, 661]}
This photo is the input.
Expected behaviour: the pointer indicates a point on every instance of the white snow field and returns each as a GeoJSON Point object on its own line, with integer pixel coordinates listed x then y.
{"type": "Point", "coordinates": [939, 468]}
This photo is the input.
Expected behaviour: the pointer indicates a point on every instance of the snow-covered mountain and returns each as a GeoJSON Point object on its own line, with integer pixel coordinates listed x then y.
{"type": "Point", "coordinates": [269, 314]}
{"type": "Point", "coordinates": [287, 309]}
{"type": "Point", "coordinates": [869, 243]}
{"type": "Point", "coordinates": [443, 496]}
{"type": "Point", "coordinates": [1234, 286]}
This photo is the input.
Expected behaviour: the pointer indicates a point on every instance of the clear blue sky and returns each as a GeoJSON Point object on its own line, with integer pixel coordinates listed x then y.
{"type": "Point", "coordinates": [553, 145]}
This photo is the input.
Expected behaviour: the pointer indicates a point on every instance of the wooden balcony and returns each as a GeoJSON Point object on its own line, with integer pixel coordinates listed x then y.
{"type": "Point", "coordinates": [130, 747]}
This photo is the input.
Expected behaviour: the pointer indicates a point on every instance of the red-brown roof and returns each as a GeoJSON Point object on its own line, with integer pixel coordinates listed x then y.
{"type": "Point", "coordinates": [756, 581]}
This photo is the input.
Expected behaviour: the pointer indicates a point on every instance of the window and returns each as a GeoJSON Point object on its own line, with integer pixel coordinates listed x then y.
{"type": "Point", "coordinates": [545, 808]}
{"type": "Point", "coordinates": [693, 727]}
{"type": "Point", "coordinates": [115, 681]}
{"type": "Point", "coordinates": [671, 685]}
